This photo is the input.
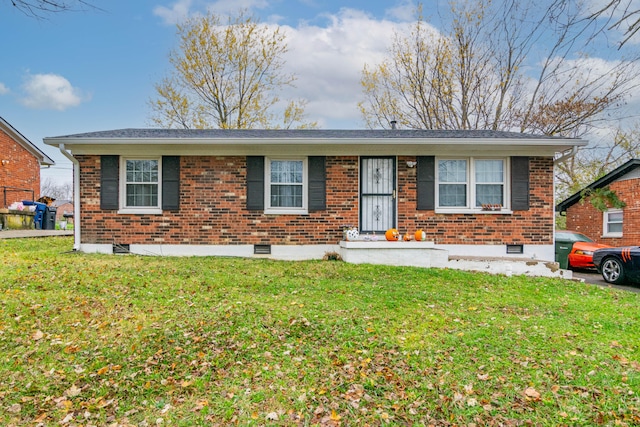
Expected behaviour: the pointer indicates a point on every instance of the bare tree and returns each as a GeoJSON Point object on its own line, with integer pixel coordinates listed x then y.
{"type": "Point", "coordinates": [227, 76]}
{"type": "Point", "coordinates": [506, 65]}
{"type": "Point", "coordinates": [40, 8]}
{"type": "Point", "coordinates": [618, 15]}
{"type": "Point", "coordinates": [56, 190]}
{"type": "Point", "coordinates": [598, 159]}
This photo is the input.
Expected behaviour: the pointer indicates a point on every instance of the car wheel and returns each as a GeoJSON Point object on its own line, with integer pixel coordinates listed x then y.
{"type": "Point", "coordinates": [612, 271]}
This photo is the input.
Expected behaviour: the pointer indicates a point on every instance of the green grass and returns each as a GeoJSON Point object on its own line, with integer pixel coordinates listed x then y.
{"type": "Point", "coordinates": [130, 340]}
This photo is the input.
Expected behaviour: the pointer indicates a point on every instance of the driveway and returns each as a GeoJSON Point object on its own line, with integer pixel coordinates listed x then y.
{"type": "Point", "coordinates": [592, 277]}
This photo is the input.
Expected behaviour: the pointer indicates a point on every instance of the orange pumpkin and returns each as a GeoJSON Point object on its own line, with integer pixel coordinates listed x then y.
{"type": "Point", "coordinates": [407, 237]}
{"type": "Point", "coordinates": [392, 234]}
{"type": "Point", "coordinates": [420, 235]}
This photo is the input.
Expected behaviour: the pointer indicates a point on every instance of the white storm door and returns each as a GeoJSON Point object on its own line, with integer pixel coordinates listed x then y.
{"type": "Point", "coordinates": [377, 194]}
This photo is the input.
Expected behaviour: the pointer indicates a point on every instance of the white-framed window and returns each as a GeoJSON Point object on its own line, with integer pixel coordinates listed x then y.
{"type": "Point", "coordinates": [612, 223]}
{"type": "Point", "coordinates": [468, 184]}
{"type": "Point", "coordinates": [286, 185]}
{"type": "Point", "coordinates": [140, 185]}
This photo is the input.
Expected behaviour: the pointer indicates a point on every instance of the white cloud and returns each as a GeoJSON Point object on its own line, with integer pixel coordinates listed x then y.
{"type": "Point", "coordinates": [404, 11]}
{"type": "Point", "coordinates": [3, 89]}
{"type": "Point", "coordinates": [50, 92]}
{"type": "Point", "coordinates": [328, 62]}
{"type": "Point", "coordinates": [183, 9]}
{"type": "Point", "coordinates": [175, 14]}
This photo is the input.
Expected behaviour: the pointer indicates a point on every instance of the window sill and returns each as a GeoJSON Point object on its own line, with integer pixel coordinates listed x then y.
{"type": "Point", "coordinates": [140, 211]}
{"type": "Point", "coordinates": [473, 211]}
{"type": "Point", "coordinates": [612, 235]}
{"type": "Point", "coordinates": [286, 212]}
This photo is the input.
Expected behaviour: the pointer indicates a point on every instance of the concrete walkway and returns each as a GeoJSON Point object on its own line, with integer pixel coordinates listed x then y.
{"type": "Point", "coordinates": [17, 234]}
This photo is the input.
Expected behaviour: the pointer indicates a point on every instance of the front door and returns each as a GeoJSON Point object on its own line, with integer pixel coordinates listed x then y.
{"type": "Point", "coordinates": [377, 194]}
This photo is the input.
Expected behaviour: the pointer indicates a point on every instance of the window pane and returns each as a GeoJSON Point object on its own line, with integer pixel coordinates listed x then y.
{"type": "Point", "coordinates": [142, 171]}
{"type": "Point", "coordinates": [615, 227]}
{"type": "Point", "coordinates": [452, 195]}
{"type": "Point", "coordinates": [614, 222]}
{"type": "Point", "coordinates": [615, 216]}
{"type": "Point", "coordinates": [489, 171]}
{"type": "Point", "coordinates": [286, 196]}
{"type": "Point", "coordinates": [452, 171]}
{"type": "Point", "coordinates": [286, 171]}
{"type": "Point", "coordinates": [489, 194]}
{"type": "Point", "coordinates": [141, 183]}
{"type": "Point", "coordinates": [142, 195]}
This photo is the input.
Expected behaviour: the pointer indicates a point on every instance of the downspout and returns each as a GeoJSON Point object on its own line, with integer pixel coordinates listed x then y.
{"type": "Point", "coordinates": [76, 196]}
{"type": "Point", "coordinates": [565, 156]}
{"type": "Point", "coordinates": [562, 158]}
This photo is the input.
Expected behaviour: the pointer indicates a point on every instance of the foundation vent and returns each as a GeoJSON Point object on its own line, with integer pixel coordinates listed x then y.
{"type": "Point", "coordinates": [262, 249]}
{"type": "Point", "coordinates": [120, 248]}
{"type": "Point", "coordinates": [515, 249]}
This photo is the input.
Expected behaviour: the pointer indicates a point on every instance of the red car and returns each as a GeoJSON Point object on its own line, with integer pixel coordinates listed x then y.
{"type": "Point", "coordinates": [582, 248]}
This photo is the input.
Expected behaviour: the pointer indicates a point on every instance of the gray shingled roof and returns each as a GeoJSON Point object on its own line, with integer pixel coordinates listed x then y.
{"type": "Point", "coordinates": [300, 134]}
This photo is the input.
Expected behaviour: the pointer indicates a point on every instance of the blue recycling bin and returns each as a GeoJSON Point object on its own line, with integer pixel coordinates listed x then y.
{"type": "Point", "coordinates": [41, 208]}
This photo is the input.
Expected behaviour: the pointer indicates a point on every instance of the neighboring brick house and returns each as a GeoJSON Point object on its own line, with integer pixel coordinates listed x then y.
{"type": "Point", "coordinates": [615, 227]}
{"type": "Point", "coordinates": [64, 210]}
{"type": "Point", "coordinates": [20, 163]}
{"type": "Point", "coordinates": [291, 192]}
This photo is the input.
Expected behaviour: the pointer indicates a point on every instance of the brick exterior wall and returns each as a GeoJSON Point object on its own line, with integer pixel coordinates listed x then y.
{"type": "Point", "coordinates": [214, 197]}
{"type": "Point", "coordinates": [583, 217]}
{"type": "Point", "coordinates": [22, 171]}
{"type": "Point", "coordinates": [534, 226]}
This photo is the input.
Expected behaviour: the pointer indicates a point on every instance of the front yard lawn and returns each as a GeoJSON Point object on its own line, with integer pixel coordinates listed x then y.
{"type": "Point", "coordinates": [132, 340]}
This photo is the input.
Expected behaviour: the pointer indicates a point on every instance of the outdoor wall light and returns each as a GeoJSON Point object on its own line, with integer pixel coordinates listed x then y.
{"type": "Point", "coordinates": [411, 164]}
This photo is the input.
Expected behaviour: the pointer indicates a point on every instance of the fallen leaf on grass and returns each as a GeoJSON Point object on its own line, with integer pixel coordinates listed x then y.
{"type": "Point", "coordinates": [37, 335]}
{"type": "Point", "coordinates": [532, 393]}
{"type": "Point", "coordinates": [73, 391]}
{"type": "Point", "coordinates": [200, 405]}
{"type": "Point", "coordinates": [272, 416]}
{"type": "Point", "coordinates": [15, 408]}
{"type": "Point", "coordinates": [67, 419]}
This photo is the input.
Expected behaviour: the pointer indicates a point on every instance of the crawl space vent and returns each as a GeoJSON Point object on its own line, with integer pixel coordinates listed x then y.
{"type": "Point", "coordinates": [515, 249]}
{"type": "Point", "coordinates": [120, 248]}
{"type": "Point", "coordinates": [262, 249]}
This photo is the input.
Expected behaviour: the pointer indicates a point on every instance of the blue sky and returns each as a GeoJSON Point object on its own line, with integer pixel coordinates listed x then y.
{"type": "Point", "coordinates": [95, 69]}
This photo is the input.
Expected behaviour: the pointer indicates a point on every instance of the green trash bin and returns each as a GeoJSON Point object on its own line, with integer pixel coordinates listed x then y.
{"type": "Point", "coordinates": [563, 248]}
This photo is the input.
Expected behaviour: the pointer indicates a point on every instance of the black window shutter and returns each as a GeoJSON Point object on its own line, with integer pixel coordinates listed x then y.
{"type": "Point", "coordinates": [520, 183]}
{"type": "Point", "coordinates": [317, 184]}
{"type": "Point", "coordinates": [426, 183]}
{"type": "Point", "coordinates": [255, 183]}
{"type": "Point", "coordinates": [109, 174]}
{"type": "Point", "coordinates": [171, 183]}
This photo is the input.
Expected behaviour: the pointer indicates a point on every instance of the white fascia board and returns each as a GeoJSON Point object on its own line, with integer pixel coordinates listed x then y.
{"type": "Point", "coordinates": [317, 146]}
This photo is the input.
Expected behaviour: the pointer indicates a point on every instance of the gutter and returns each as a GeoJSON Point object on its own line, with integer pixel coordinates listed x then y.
{"type": "Point", "coordinates": [76, 196]}
{"type": "Point", "coordinates": [565, 155]}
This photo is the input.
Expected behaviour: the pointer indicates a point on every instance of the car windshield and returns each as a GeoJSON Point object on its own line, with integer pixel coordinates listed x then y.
{"type": "Point", "coordinates": [572, 237]}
